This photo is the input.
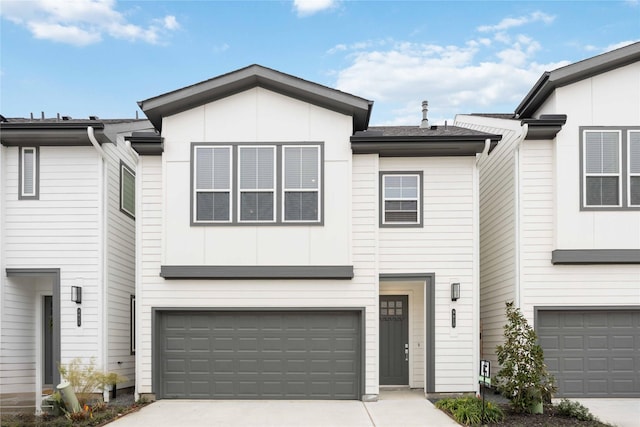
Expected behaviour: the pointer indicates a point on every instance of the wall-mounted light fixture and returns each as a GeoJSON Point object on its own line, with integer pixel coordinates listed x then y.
{"type": "Point", "coordinates": [76, 294]}
{"type": "Point", "coordinates": [455, 291]}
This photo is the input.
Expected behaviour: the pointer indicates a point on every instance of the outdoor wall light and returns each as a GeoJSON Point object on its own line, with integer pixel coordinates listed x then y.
{"type": "Point", "coordinates": [455, 291]}
{"type": "Point", "coordinates": [76, 294]}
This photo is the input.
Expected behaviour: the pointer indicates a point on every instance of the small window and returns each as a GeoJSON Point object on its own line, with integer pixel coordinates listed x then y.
{"type": "Point", "coordinates": [401, 199]}
{"type": "Point", "coordinates": [602, 160]}
{"type": "Point", "coordinates": [132, 324]}
{"type": "Point", "coordinates": [127, 190]}
{"type": "Point", "coordinates": [634, 168]}
{"type": "Point", "coordinates": [29, 174]}
{"type": "Point", "coordinates": [257, 183]}
{"type": "Point", "coordinates": [301, 190]}
{"type": "Point", "coordinates": [212, 187]}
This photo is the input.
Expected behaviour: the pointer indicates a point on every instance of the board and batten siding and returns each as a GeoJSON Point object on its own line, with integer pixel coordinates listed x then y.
{"type": "Point", "coordinates": [445, 246]}
{"type": "Point", "coordinates": [498, 222]}
{"type": "Point", "coordinates": [120, 265]}
{"type": "Point", "coordinates": [60, 230]}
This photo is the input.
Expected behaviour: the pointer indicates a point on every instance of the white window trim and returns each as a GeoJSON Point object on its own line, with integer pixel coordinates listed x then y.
{"type": "Point", "coordinates": [211, 190]}
{"type": "Point", "coordinates": [34, 177]}
{"type": "Point", "coordinates": [301, 190]}
{"type": "Point", "coordinates": [257, 190]}
{"type": "Point", "coordinates": [629, 172]}
{"type": "Point", "coordinates": [585, 174]}
{"type": "Point", "coordinates": [417, 199]}
{"type": "Point", "coordinates": [126, 169]}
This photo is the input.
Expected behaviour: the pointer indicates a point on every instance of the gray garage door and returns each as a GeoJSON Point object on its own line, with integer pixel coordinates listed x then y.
{"type": "Point", "coordinates": [592, 353]}
{"type": "Point", "coordinates": [259, 355]}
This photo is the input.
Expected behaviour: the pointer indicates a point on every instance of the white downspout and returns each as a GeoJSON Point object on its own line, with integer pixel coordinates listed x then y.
{"type": "Point", "coordinates": [102, 251]}
{"type": "Point", "coordinates": [524, 129]}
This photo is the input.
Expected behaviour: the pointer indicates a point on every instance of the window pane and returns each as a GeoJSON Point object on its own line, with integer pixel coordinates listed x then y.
{"type": "Point", "coordinates": [222, 168]}
{"type": "Point", "coordinates": [213, 168]}
{"type": "Point", "coordinates": [256, 168]}
{"type": "Point", "coordinates": [401, 205]}
{"type": "Point", "coordinates": [301, 206]}
{"type": "Point", "coordinates": [256, 206]}
{"type": "Point", "coordinates": [204, 174]}
{"type": "Point", "coordinates": [212, 206]}
{"type": "Point", "coordinates": [394, 216]}
{"type": "Point", "coordinates": [128, 191]}
{"type": "Point", "coordinates": [221, 207]}
{"type": "Point", "coordinates": [634, 152]}
{"type": "Point", "coordinates": [28, 165]}
{"type": "Point", "coordinates": [602, 152]}
{"type": "Point", "coordinates": [409, 186]}
{"type": "Point", "coordinates": [301, 168]}
{"type": "Point", "coordinates": [602, 191]}
{"type": "Point", "coordinates": [610, 153]}
{"type": "Point", "coordinates": [634, 190]}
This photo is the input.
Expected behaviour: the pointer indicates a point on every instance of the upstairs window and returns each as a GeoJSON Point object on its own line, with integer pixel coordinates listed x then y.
{"type": "Point", "coordinates": [401, 199]}
{"type": "Point", "coordinates": [28, 174]}
{"type": "Point", "coordinates": [610, 168]}
{"type": "Point", "coordinates": [127, 190]}
{"type": "Point", "coordinates": [273, 183]}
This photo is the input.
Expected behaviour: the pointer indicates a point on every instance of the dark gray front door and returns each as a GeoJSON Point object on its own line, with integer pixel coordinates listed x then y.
{"type": "Point", "coordinates": [592, 353]}
{"type": "Point", "coordinates": [394, 340]}
{"type": "Point", "coordinates": [47, 332]}
{"type": "Point", "coordinates": [259, 355]}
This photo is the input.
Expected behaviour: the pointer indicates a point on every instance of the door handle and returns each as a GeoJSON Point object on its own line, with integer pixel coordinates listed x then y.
{"type": "Point", "coordinates": [406, 352]}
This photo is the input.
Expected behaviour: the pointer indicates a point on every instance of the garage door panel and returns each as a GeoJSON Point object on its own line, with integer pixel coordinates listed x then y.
{"type": "Point", "coordinates": [592, 353]}
{"type": "Point", "coordinates": [251, 355]}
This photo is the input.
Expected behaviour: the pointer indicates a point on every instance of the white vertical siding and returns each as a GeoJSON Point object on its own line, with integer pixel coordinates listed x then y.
{"type": "Point", "coordinates": [444, 246]}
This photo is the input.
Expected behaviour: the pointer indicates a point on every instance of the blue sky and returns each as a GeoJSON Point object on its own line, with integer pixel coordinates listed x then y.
{"type": "Point", "coordinates": [99, 57]}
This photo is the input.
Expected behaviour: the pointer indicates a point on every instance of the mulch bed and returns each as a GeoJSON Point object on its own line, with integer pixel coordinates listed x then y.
{"type": "Point", "coordinates": [549, 418]}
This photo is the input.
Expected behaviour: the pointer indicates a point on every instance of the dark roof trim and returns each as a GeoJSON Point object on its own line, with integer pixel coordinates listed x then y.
{"type": "Point", "coordinates": [545, 127]}
{"type": "Point", "coordinates": [421, 146]}
{"type": "Point", "coordinates": [146, 143]}
{"type": "Point", "coordinates": [257, 272]}
{"type": "Point", "coordinates": [246, 78]}
{"type": "Point", "coordinates": [595, 256]}
{"type": "Point", "coordinates": [50, 134]}
{"type": "Point", "coordinates": [572, 73]}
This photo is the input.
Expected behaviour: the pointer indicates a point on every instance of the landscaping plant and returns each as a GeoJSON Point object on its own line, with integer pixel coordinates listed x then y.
{"type": "Point", "coordinates": [468, 410]}
{"type": "Point", "coordinates": [573, 409]}
{"type": "Point", "coordinates": [86, 379]}
{"type": "Point", "coordinates": [523, 377]}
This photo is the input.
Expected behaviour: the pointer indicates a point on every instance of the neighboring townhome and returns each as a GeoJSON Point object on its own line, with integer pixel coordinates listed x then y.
{"type": "Point", "coordinates": [286, 251]}
{"type": "Point", "coordinates": [560, 223]}
{"type": "Point", "coordinates": [67, 241]}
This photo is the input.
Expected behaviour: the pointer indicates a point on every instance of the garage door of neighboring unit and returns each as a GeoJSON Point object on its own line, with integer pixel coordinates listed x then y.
{"type": "Point", "coordinates": [592, 353]}
{"type": "Point", "coordinates": [258, 355]}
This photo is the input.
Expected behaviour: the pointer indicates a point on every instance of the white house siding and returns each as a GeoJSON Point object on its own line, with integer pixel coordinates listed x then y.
{"type": "Point", "coordinates": [120, 265]}
{"type": "Point", "coordinates": [60, 230]}
{"type": "Point", "coordinates": [446, 247]}
{"type": "Point", "coordinates": [609, 99]}
{"type": "Point", "coordinates": [498, 252]}
{"type": "Point", "coordinates": [545, 284]}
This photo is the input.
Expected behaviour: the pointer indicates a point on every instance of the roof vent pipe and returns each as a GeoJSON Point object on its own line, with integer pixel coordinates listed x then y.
{"type": "Point", "coordinates": [58, 117]}
{"type": "Point", "coordinates": [31, 116]}
{"type": "Point", "coordinates": [425, 109]}
{"type": "Point", "coordinates": [42, 114]}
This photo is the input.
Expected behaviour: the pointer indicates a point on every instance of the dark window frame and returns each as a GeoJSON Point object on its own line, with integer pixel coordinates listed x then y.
{"type": "Point", "coordinates": [381, 200]}
{"type": "Point", "coordinates": [624, 174]}
{"type": "Point", "coordinates": [132, 324]}
{"type": "Point", "coordinates": [125, 169]}
{"type": "Point", "coordinates": [36, 174]}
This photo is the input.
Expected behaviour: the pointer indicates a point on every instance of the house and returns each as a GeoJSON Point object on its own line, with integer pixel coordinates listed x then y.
{"type": "Point", "coordinates": [560, 222]}
{"type": "Point", "coordinates": [67, 241]}
{"type": "Point", "coordinates": [287, 250]}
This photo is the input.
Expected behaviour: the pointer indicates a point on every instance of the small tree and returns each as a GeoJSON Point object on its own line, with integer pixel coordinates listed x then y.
{"type": "Point", "coordinates": [523, 377]}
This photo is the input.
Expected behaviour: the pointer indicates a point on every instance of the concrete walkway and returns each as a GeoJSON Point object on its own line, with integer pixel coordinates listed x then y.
{"type": "Point", "coordinates": [393, 409]}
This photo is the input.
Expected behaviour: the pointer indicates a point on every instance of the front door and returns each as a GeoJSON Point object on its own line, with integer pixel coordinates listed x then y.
{"type": "Point", "coordinates": [394, 340]}
{"type": "Point", "coordinates": [47, 334]}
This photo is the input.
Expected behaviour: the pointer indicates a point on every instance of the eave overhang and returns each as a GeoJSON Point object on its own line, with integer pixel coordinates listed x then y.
{"type": "Point", "coordinates": [246, 78]}
{"type": "Point", "coordinates": [422, 146]}
{"type": "Point", "coordinates": [587, 68]}
{"type": "Point", "coordinates": [30, 134]}
{"type": "Point", "coordinates": [546, 127]}
{"type": "Point", "coordinates": [146, 143]}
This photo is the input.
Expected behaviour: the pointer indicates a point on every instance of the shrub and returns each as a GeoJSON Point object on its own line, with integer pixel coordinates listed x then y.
{"type": "Point", "coordinates": [523, 377]}
{"type": "Point", "coordinates": [575, 410]}
{"type": "Point", "coordinates": [468, 410]}
{"type": "Point", "coordinates": [86, 379]}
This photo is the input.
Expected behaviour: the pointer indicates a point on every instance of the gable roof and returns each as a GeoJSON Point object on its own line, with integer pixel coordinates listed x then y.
{"type": "Point", "coordinates": [246, 78]}
{"type": "Point", "coordinates": [572, 73]}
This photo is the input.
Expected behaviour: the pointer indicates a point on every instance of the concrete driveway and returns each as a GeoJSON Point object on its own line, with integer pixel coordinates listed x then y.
{"type": "Point", "coordinates": [408, 408]}
{"type": "Point", "coordinates": [619, 412]}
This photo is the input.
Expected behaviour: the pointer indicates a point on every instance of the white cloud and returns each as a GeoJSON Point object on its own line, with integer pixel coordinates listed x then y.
{"type": "Point", "coordinates": [309, 7]}
{"type": "Point", "coordinates": [618, 45]}
{"type": "Point", "coordinates": [82, 22]}
{"type": "Point", "coordinates": [508, 23]}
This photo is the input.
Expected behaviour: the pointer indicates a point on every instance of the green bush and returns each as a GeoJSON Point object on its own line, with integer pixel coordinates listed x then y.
{"type": "Point", "coordinates": [468, 410]}
{"type": "Point", "coordinates": [575, 410]}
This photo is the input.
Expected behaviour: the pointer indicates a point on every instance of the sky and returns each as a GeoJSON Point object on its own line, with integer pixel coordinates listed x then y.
{"type": "Point", "coordinates": [100, 57]}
